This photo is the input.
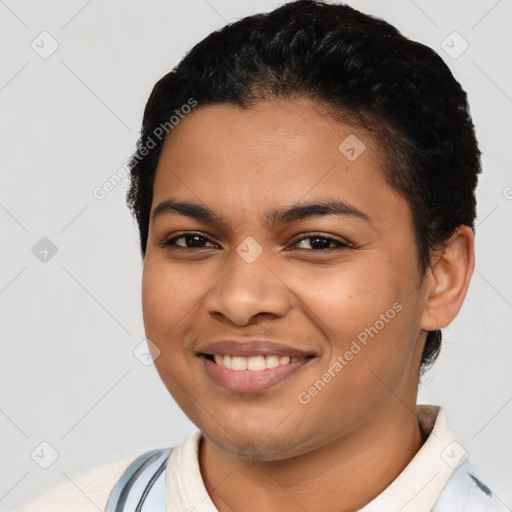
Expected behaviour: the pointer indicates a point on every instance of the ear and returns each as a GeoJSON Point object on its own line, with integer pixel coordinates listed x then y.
{"type": "Point", "coordinates": [447, 279]}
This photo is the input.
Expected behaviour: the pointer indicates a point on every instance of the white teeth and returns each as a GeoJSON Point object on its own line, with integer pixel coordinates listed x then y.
{"type": "Point", "coordinates": [256, 363]}
{"type": "Point", "coordinates": [253, 363]}
{"type": "Point", "coordinates": [239, 363]}
{"type": "Point", "coordinates": [272, 361]}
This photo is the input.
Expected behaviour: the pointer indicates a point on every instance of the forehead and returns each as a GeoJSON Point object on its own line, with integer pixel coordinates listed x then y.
{"type": "Point", "coordinates": [276, 152]}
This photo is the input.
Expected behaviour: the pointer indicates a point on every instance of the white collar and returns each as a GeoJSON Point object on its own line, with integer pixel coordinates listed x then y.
{"type": "Point", "coordinates": [418, 486]}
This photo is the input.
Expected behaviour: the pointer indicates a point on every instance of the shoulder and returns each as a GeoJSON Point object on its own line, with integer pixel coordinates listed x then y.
{"type": "Point", "coordinates": [465, 491]}
{"type": "Point", "coordinates": [85, 492]}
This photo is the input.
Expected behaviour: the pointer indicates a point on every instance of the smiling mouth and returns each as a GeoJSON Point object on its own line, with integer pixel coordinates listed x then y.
{"type": "Point", "coordinates": [253, 363]}
{"type": "Point", "coordinates": [252, 374]}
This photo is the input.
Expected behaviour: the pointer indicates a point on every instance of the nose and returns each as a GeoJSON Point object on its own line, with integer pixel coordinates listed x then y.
{"type": "Point", "coordinates": [247, 290]}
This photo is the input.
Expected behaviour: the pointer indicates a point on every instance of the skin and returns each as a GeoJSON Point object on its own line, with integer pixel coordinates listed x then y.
{"type": "Point", "coordinates": [267, 451]}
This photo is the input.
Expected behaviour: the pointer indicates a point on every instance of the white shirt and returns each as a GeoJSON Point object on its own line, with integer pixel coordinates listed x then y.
{"type": "Point", "coordinates": [438, 479]}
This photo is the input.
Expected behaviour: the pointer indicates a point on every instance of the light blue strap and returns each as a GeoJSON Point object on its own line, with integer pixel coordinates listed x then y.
{"type": "Point", "coordinates": [141, 487]}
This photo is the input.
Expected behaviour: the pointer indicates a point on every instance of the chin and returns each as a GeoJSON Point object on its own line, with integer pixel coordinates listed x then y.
{"type": "Point", "coordinates": [256, 444]}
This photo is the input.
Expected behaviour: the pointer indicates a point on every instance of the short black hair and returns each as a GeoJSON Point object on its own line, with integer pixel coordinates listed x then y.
{"type": "Point", "coordinates": [363, 71]}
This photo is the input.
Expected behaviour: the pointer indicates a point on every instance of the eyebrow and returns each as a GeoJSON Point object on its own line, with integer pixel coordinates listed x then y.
{"type": "Point", "coordinates": [272, 219]}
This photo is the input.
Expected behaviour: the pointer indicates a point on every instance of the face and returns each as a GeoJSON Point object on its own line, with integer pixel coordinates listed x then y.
{"type": "Point", "coordinates": [323, 303]}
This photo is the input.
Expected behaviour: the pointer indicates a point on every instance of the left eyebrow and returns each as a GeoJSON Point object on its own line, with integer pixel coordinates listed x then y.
{"type": "Point", "coordinates": [314, 209]}
{"type": "Point", "coordinates": [271, 219]}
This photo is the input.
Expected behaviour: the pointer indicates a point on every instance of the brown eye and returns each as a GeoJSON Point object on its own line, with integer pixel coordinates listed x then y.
{"type": "Point", "coordinates": [321, 242]}
{"type": "Point", "coordinates": [188, 241]}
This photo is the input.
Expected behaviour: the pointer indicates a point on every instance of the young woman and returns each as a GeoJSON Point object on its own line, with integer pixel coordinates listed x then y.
{"type": "Point", "coordinates": [304, 186]}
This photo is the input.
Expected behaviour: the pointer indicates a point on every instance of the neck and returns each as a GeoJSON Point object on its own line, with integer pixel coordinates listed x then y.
{"type": "Point", "coordinates": [346, 473]}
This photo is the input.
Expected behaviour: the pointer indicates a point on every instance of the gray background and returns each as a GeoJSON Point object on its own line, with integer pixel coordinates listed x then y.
{"type": "Point", "coordinates": [70, 324]}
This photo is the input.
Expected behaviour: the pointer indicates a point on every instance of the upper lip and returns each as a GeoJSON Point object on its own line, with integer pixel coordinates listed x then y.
{"type": "Point", "coordinates": [254, 347]}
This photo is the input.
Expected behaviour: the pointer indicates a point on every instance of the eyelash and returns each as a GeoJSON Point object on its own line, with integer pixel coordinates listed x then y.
{"type": "Point", "coordinates": [171, 241]}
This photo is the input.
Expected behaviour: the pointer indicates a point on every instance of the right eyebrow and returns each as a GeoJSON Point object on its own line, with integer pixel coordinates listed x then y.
{"type": "Point", "coordinates": [188, 209]}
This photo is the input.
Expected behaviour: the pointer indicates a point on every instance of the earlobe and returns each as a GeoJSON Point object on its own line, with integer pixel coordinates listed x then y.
{"type": "Point", "coordinates": [448, 279]}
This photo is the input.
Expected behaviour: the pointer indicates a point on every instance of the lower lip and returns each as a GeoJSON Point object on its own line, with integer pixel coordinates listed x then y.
{"type": "Point", "coordinates": [249, 381]}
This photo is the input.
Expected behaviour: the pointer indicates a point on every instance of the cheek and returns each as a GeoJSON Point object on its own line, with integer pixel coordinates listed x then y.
{"type": "Point", "coordinates": [167, 295]}
{"type": "Point", "coordinates": [369, 320]}
{"type": "Point", "coordinates": [350, 298]}
{"type": "Point", "coordinates": [157, 295]}
{"type": "Point", "coordinates": [166, 301]}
